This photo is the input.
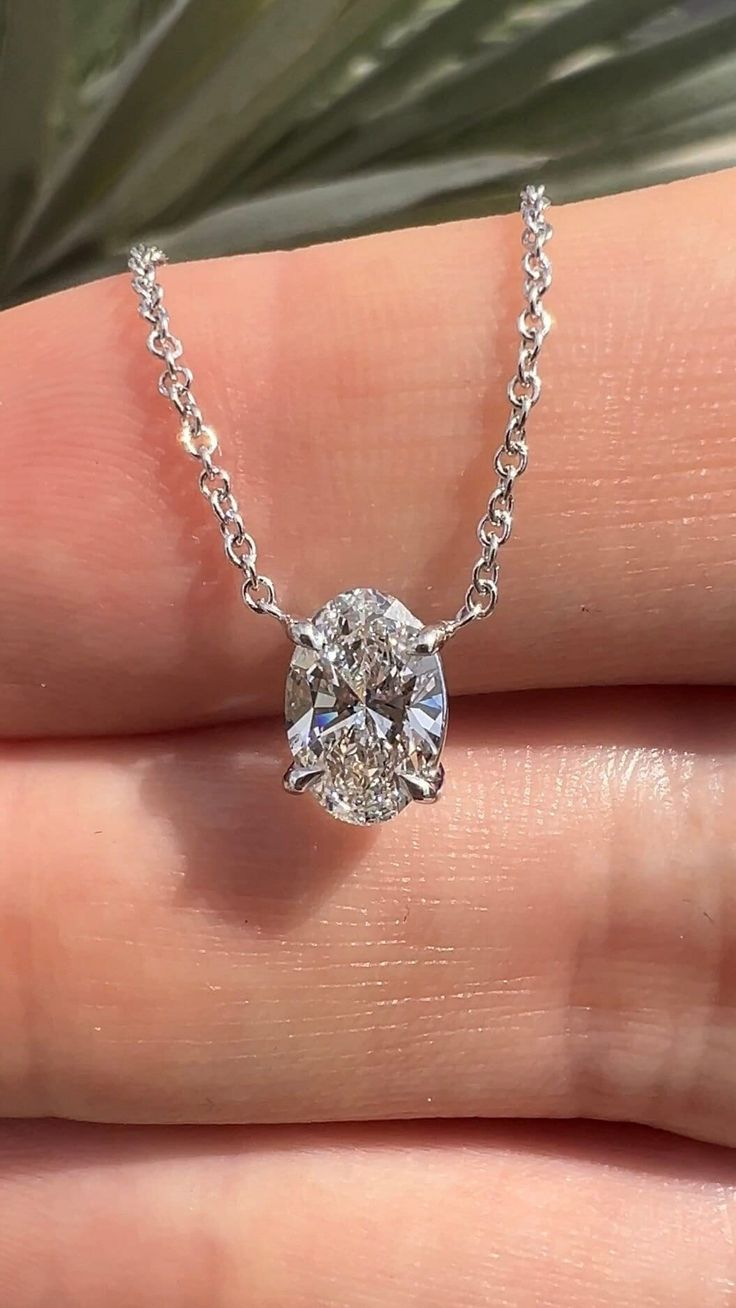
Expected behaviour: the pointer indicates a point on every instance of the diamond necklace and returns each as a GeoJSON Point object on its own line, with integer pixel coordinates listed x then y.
{"type": "Point", "coordinates": [366, 703]}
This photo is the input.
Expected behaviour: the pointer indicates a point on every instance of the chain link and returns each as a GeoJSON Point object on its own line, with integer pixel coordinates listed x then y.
{"type": "Point", "coordinates": [510, 462]}
{"type": "Point", "coordinates": [524, 390]}
{"type": "Point", "coordinates": [176, 385]}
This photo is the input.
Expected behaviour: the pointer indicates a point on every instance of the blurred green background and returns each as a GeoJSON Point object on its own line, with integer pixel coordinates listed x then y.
{"type": "Point", "coordinates": [224, 125]}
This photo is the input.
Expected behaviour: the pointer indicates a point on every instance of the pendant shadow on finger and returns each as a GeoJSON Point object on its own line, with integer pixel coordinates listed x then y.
{"type": "Point", "coordinates": [247, 850]}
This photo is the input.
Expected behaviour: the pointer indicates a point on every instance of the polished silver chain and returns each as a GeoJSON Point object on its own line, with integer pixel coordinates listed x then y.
{"type": "Point", "coordinates": [176, 384]}
{"type": "Point", "coordinates": [524, 389]}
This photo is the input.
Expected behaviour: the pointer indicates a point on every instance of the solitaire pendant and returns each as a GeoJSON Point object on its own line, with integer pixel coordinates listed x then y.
{"type": "Point", "coordinates": [366, 708]}
{"type": "Point", "coordinates": [366, 704]}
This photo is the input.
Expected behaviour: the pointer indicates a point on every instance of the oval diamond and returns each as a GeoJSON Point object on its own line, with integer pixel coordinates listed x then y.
{"type": "Point", "coordinates": [365, 713]}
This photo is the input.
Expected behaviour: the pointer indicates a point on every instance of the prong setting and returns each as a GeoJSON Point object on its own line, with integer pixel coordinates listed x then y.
{"type": "Point", "coordinates": [298, 779]}
{"type": "Point", "coordinates": [306, 634]}
{"type": "Point", "coordinates": [424, 788]}
{"type": "Point", "coordinates": [431, 638]}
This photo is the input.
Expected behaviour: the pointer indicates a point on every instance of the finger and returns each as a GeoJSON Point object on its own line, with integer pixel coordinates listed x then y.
{"type": "Point", "coordinates": [359, 392]}
{"type": "Point", "coordinates": [395, 1217]}
{"type": "Point", "coordinates": [184, 942]}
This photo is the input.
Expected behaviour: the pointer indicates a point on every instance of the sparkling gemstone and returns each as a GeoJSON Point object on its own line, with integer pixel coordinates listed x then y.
{"type": "Point", "coordinates": [364, 710]}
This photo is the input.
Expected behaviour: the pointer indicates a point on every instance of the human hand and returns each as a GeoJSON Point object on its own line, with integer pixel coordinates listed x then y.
{"type": "Point", "coordinates": [183, 943]}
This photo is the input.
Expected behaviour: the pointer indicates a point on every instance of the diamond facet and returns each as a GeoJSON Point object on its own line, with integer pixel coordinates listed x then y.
{"type": "Point", "coordinates": [366, 710]}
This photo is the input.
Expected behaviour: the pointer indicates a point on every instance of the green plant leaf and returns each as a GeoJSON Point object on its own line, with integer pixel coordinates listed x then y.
{"type": "Point", "coordinates": [178, 103]}
{"type": "Point", "coordinates": [32, 52]}
{"type": "Point", "coordinates": [634, 92]}
{"type": "Point", "coordinates": [503, 78]}
{"type": "Point", "coordinates": [249, 124]}
{"type": "Point", "coordinates": [345, 207]}
{"type": "Point", "coordinates": [407, 58]}
{"type": "Point", "coordinates": [458, 72]}
{"type": "Point", "coordinates": [150, 85]}
{"type": "Point", "coordinates": [319, 77]}
{"type": "Point", "coordinates": [101, 34]}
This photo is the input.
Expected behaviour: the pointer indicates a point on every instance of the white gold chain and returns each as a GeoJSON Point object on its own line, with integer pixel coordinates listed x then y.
{"type": "Point", "coordinates": [494, 528]}
{"type": "Point", "coordinates": [524, 390]}
{"type": "Point", "coordinates": [176, 385]}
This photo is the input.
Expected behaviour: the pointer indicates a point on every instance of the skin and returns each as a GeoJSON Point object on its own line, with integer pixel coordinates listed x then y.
{"type": "Point", "coordinates": [263, 992]}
